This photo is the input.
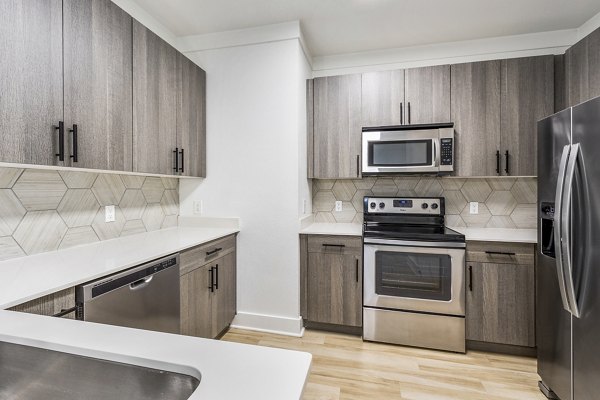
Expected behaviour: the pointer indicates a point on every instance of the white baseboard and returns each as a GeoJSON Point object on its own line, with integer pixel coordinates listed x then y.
{"type": "Point", "coordinates": [269, 324]}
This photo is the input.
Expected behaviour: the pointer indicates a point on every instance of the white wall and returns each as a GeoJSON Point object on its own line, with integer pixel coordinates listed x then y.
{"type": "Point", "coordinates": [255, 152]}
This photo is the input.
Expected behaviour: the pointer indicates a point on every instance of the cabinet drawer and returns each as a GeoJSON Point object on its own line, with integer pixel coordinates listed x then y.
{"type": "Point", "coordinates": [501, 253]}
{"type": "Point", "coordinates": [334, 244]}
{"type": "Point", "coordinates": [198, 256]}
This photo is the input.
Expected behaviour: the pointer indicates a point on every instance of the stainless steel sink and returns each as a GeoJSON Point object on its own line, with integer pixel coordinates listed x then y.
{"type": "Point", "coordinates": [31, 373]}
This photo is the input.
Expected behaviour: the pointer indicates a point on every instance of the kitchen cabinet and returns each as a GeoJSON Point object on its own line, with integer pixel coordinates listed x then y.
{"type": "Point", "coordinates": [31, 81]}
{"type": "Point", "coordinates": [337, 127]}
{"type": "Point", "coordinates": [427, 94]}
{"type": "Point", "coordinates": [154, 103]}
{"type": "Point", "coordinates": [475, 112]}
{"type": "Point", "coordinates": [331, 283]}
{"type": "Point", "coordinates": [50, 305]}
{"type": "Point", "coordinates": [527, 95]}
{"type": "Point", "coordinates": [191, 117]}
{"type": "Point", "coordinates": [383, 98]}
{"type": "Point", "coordinates": [582, 69]}
{"type": "Point", "coordinates": [97, 37]}
{"type": "Point", "coordinates": [208, 288]}
{"type": "Point", "coordinates": [500, 300]}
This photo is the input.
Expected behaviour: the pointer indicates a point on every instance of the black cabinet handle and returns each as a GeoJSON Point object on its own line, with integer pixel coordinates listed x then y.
{"type": "Point", "coordinates": [498, 162]}
{"type": "Point", "coordinates": [409, 112]}
{"type": "Point", "coordinates": [470, 278]}
{"type": "Point", "coordinates": [334, 245]}
{"type": "Point", "coordinates": [176, 152]}
{"type": "Point", "coordinates": [357, 270]}
{"type": "Point", "coordinates": [401, 115]}
{"type": "Point", "coordinates": [61, 140]}
{"type": "Point", "coordinates": [507, 170]}
{"type": "Point", "coordinates": [181, 152]}
{"type": "Point", "coordinates": [358, 166]}
{"type": "Point", "coordinates": [500, 253]}
{"type": "Point", "coordinates": [75, 145]}
{"type": "Point", "coordinates": [217, 276]}
{"type": "Point", "coordinates": [64, 312]}
{"type": "Point", "coordinates": [210, 253]}
{"type": "Point", "coordinates": [211, 272]}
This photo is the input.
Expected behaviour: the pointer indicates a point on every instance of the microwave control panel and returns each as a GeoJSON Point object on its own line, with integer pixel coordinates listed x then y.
{"type": "Point", "coordinates": [447, 150]}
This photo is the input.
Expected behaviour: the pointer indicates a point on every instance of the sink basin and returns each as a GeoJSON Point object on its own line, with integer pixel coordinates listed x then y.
{"type": "Point", "coordinates": [31, 373]}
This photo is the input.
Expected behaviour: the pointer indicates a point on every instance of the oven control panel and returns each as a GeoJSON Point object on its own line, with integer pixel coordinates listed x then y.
{"type": "Point", "coordinates": [404, 205]}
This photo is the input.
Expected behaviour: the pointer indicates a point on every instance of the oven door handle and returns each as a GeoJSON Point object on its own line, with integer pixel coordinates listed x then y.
{"type": "Point", "coordinates": [408, 243]}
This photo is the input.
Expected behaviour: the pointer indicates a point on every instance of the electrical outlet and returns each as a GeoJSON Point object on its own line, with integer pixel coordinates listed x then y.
{"type": "Point", "coordinates": [474, 207]}
{"type": "Point", "coordinates": [109, 214]}
{"type": "Point", "coordinates": [197, 206]}
{"type": "Point", "coordinates": [338, 206]}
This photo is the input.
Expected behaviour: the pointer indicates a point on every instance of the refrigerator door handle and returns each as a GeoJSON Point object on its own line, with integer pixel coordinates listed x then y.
{"type": "Point", "coordinates": [566, 230]}
{"type": "Point", "coordinates": [558, 227]}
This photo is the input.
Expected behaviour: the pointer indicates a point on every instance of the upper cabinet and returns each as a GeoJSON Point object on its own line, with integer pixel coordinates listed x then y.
{"type": "Point", "coordinates": [383, 98]}
{"type": "Point", "coordinates": [84, 85]}
{"type": "Point", "coordinates": [582, 69]}
{"type": "Point", "coordinates": [31, 82]}
{"type": "Point", "coordinates": [337, 127]}
{"type": "Point", "coordinates": [527, 95]}
{"type": "Point", "coordinates": [97, 84]}
{"type": "Point", "coordinates": [427, 95]}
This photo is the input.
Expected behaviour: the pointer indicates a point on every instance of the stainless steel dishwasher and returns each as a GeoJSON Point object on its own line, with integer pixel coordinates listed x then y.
{"type": "Point", "coordinates": [144, 297]}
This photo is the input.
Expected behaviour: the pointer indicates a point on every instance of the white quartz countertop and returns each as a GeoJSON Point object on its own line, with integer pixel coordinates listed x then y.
{"type": "Point", "coordinates": [27, 278]}
{"type": "Point", "coordinates": [227, 371]}
{"type": "Point", "coordinates": [499, 235]}
{"type": "Point", "coordinates": [322, 228]}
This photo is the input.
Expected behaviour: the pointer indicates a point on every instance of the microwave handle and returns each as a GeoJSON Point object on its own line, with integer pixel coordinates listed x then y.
{"type": "Point", "coordinates": [436, 152]}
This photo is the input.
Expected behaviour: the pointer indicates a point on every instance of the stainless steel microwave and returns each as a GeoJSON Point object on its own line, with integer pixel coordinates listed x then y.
{"type": "Point", "coordinates": [408, 149]}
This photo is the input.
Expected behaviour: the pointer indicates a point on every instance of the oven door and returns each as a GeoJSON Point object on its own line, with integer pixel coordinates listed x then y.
{"type": "Point", "coordinates": [414, 276]}
{"type": "Point", "coordinates": [401, 151]}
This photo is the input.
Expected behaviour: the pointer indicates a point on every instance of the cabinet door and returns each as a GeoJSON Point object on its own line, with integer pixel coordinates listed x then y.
{"type": "Point", "coordinates": [500, 303]}
{"type": "Point", "coordinates": [427, 93]}
{"type": "Point", "coordinates": [334, 289]}
{"type": "Point", "coordinates": [31, 83]}
{"type": "Point", "coordinates": [195, 297]}
{"type": "Point", "coordinates": [476, 115]}
{"type": "Point", "coordinates": [582, 69]}
{"type": "Point", "coordinates": [154, 102]}
{"type": "Point", "coordinates": [337, 126]}
{"type": "Point", "coordinates": [224, 299]}
{"type": "Point", "coordinates": [97, 83]}
{"type": "Point", "coordinates": [382, 98]}
{"type": "Point", "coordinates": [191, 116]}
{"type": "Point", "coordinates": [527, 95]}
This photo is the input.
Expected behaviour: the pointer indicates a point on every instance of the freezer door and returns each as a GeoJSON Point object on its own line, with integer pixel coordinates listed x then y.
{"type": "Point", "coordinates": [553, 323]}
{"type": "Point", "coordinates": [585, 249]}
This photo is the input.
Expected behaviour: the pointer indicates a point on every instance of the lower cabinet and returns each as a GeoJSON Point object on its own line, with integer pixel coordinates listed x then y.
{"type": "Point", "coordinates": [501, 294]}
{"type": "Point", "coordinates": [331, 280]}
{"type": "Point", "coordinates": [208, 288]}
{"type": "Point", "coordinates": [55, 304]}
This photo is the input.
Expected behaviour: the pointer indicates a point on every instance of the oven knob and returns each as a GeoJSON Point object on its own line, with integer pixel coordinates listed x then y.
{"type": "Point", "coordinates": [424, 206]}
{"type": "Point", "coordinates": [434, 206]}
{"type": "Point", "coordinates": [382, 205]}
{"type": "Point", "coordinates": [373, 205]}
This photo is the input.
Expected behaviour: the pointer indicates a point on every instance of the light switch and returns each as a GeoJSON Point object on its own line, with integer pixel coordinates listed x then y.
{"type": "Point", "coordinates": [474, 207]}
{"type": "Point", "coordinates": [338, 206]}
{"type": "Point", "coordinates": [109, 214]}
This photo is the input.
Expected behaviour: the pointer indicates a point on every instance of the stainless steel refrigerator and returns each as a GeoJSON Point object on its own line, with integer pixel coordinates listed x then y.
{"type": "Point", "coordinates": [568, 257]}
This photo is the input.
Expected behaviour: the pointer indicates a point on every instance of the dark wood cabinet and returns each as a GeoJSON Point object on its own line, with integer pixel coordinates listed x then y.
{"type": "Point", "coordinates": [337, 127]}
{"type": "Point", "coordinates": [476, 116]}
{"type": "Point", "coordinates": [97, 38]}
{"type": "Point", "coordinates": [208, 288]}
{"type": "Point", "coordinates": [582, 69]}
{"type": "Point", "coordinates": [527, 95]}
{"type": "Point", "coordinates": [51, 304]}
{"type": "Point", "coordinates": [31, 81]}
{"type": "Point", "coordinates": [427, 94]}
{"type": "Point", "coordinates": [500, 294]}
{"type": "Point", "coordinates": [331, 282]}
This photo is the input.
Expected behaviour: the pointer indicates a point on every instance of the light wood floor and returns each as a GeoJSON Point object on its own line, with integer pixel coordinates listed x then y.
{"type": "Point", "coordinates": [345, 367]}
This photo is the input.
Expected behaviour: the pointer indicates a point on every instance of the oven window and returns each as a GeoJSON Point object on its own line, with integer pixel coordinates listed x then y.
{"type": "Point", "coordinates": [413, 275]}
{"type": "Point", "coordinates": [405, 153]}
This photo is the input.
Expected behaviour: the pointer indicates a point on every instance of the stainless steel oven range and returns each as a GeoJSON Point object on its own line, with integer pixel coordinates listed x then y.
{"type": "Point", "coordinates": [414, 279]}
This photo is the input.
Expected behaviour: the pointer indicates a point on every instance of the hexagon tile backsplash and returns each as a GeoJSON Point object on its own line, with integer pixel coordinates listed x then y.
{"type": "Point", "coordinates": [45, 210]}
{"type": "Point", "coordinates": [504, 202]}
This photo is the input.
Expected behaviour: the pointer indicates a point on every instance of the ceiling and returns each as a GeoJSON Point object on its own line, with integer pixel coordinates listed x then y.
{"type": "Point", "coordinates": [347, 26]}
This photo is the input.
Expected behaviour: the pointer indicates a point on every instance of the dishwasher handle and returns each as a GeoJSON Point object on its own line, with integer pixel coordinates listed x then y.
{"type": "Point", "coordinates": [141, 283]}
